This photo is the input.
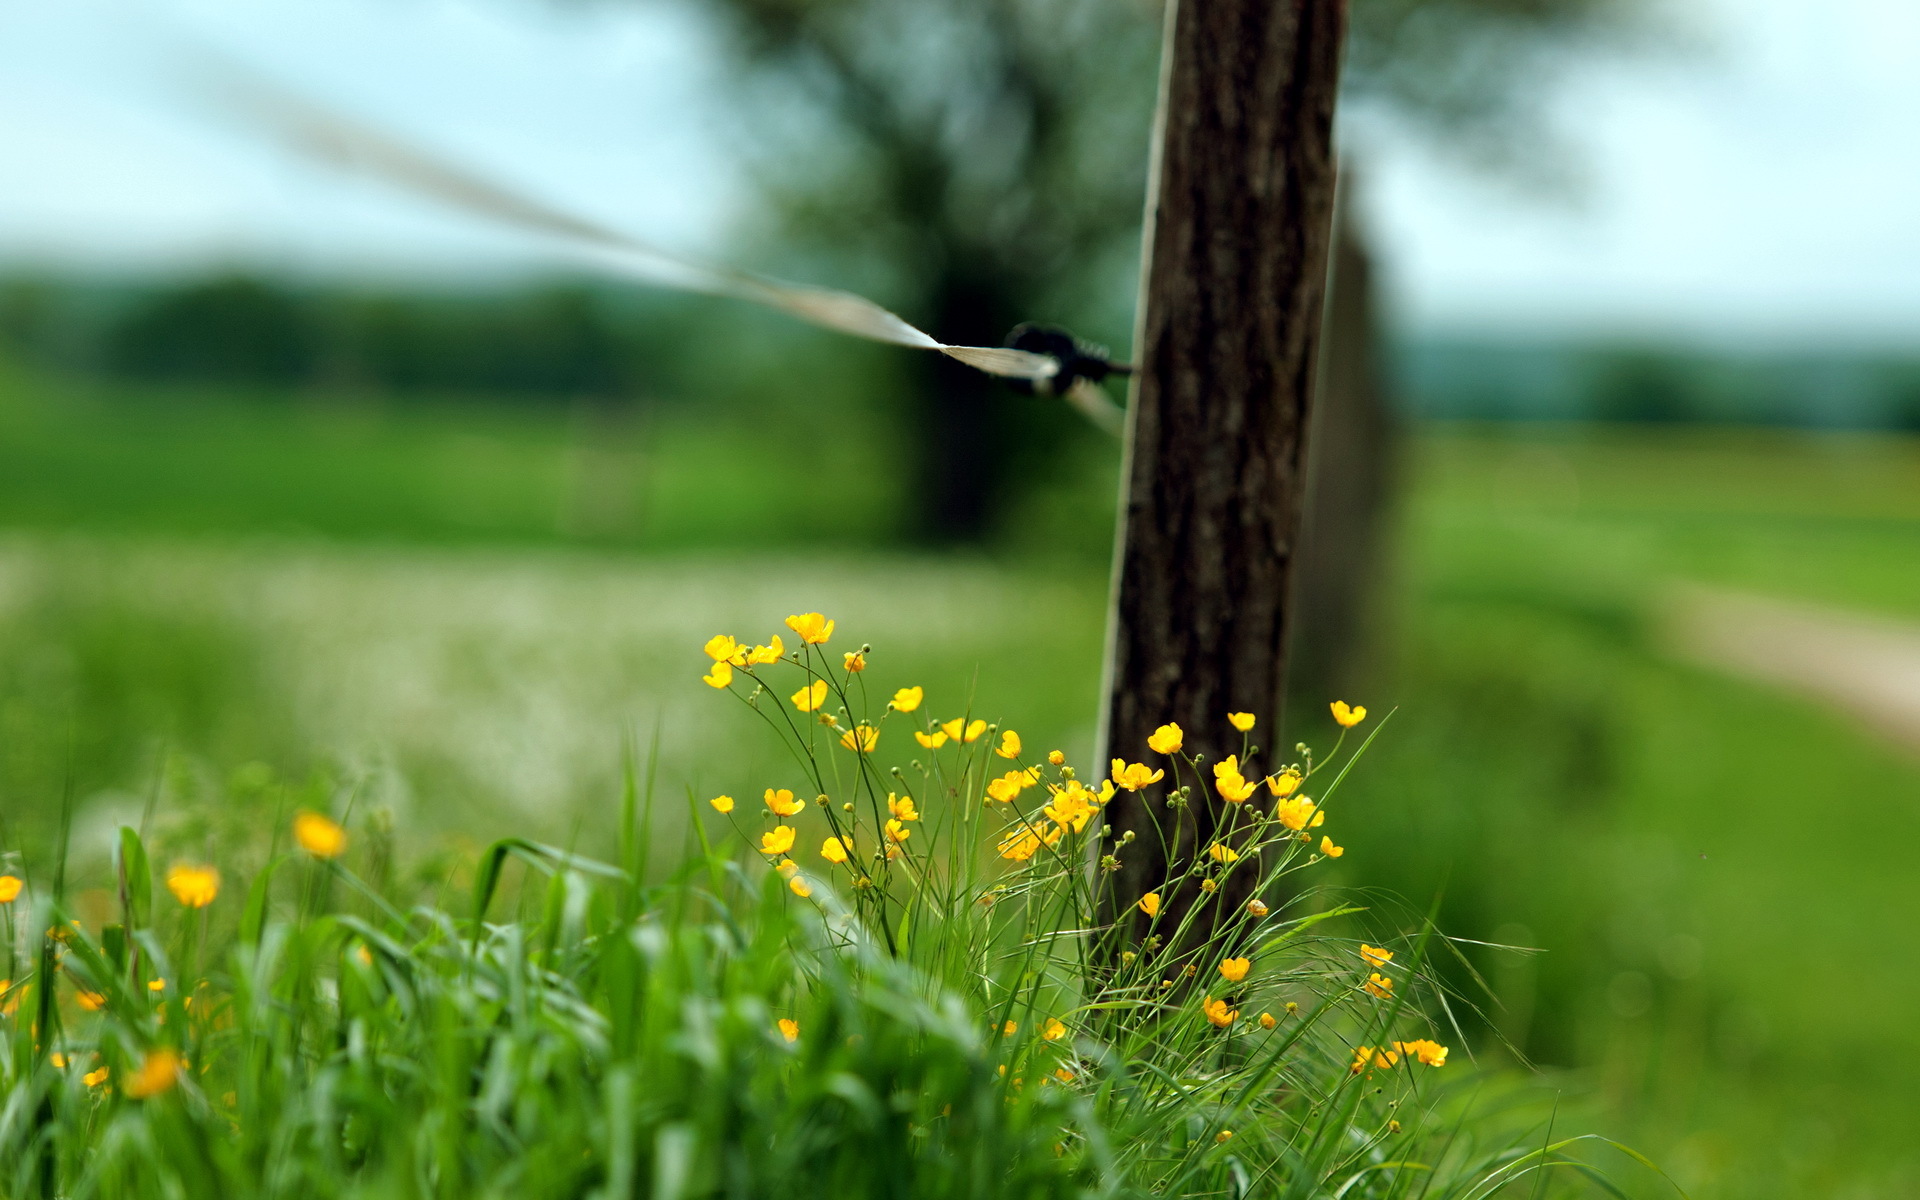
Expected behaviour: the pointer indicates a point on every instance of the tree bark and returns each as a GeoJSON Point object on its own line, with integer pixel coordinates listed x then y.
{"type": "Point", "coordinates": [1235, 275]}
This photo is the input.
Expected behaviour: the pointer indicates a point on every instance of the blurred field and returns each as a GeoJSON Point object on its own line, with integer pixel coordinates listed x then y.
{"type": "Point", "coordinates": [413, 605]}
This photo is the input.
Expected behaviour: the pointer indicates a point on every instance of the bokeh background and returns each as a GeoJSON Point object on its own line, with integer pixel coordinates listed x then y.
{"type": "Point", "coordinates": [308, 488]}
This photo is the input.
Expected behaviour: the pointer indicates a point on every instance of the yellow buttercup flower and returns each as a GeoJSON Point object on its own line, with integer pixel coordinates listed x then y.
{"type": "Point", "coordinates": [1431, 1053]}
{"type": "Point", "coordinates": [1054, 1030]}
{"type": "Point", "coordinates": [193, 886]}
{"type": "Point", "coordinates": [907, 699]}
{"type": "Point", "coordinates": [1329, 849]}
{"type": "Point", "coordinates": [1379, 985]}
{"type": "Point", "coordinates": [1024, 842]}
{"type": "Point", "coordinates": [160, 985]}
{"type": "Point", "coordinates": [1010, 785]}
{"type": "Point", "coordinates": [1009, 746]}
{"type": "Point", "coordinates": [799, 887]}
{"type": "Point", "coordinates": [10, 886]}
{"type": "Point", "coordinates": [932, 741]}
{"type": "Point", "coordinates": [1209, 886]}
{"type": "Point", "coordinates": [1233, 970]}
{"type": "Point", "coordinates": [719, 676]}
{"type": "Point", "coordinates": [1218, 1013]}
{"type": "Point", "coordinates": [897, 831]}
{"type": "Point", "coordinates": [862, 737]}
{"type": "Point", "coordinates": [1348, 717]}
{"type": "Point", "coordinates": [1364, 1056]}
{"type": "Point", "coordinates": [1298, 812]}
{"type": "Point", "coordinates": [1227, 780]}
{"type": "Point", "coordinates": [722, 648]}
{"type": "Point", "coordinates": [319, 836]}
{"type": "Point", "coordinates": [902, 808]}
{"type": "Point", "coordinates": [787, 868]}
{"type": "Point", "coordinates": [812, 627]}
{"type": "Point", "coordinates": [782, 804]}
{"type": "Point", "coordinates": [810, 697]}
{"type": "Point", "coordinates": [1241, 721]}
{"type": "Point", "coordinates": [722, 804]}
{"type": "Point", "coordinates": [772, 652]}
{"type": "Point", "coordinates": [854, 661]}
{"type": "Point", "coordinates": [1256, 908]}
{"type": "Point", "coordinates": [1150, 904]}
{"type": "Point", "coordinates": [1223, 1137]}
{"type": "Point", "coordinates": [789, 1030]}
{"type": "Point", "coordinates": [1056, 758]}
{"type": "Point", "coordinates": [91, 1001]}
{"type": "Point", "coordinates": [1165, 740]}
{"type": "Point", "coordinates": [777, 840]}
{"type": "Point", "coordinates": [1267, 1021]}
{"type": "Point", "coordinates": [960, 730]}
{"type": "Point", "coordinates": [1375, 955]}
{"type": "Point", "coordinates": [1222, 853]}
{"type": "Point", "coordinates": [95, 1078]}
{"type": "Point", "coordinates": [836, 849]}
{"type": "Point", "coordinates": [1134, 776]}
{"type": "Point", "coordinates": [159, 1072]}
{"type": "Point", "coordinates": [1072, 807]}
{"type": "Point", "coordinates": [1284, 783]}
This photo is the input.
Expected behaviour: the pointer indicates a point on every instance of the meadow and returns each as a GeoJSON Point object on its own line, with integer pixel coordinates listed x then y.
{"type": "Point", "coordinates": [206, 597]}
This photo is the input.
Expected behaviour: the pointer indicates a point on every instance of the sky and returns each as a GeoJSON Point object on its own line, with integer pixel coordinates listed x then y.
{"type": "Point", "coordinates": [1758, 183]}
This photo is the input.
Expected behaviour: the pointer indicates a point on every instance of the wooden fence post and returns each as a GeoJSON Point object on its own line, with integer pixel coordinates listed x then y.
{"type": "Point", "coordinates": [1240, 209]}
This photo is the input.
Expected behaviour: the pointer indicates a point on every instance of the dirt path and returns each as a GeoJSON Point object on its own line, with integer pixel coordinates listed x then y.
{"type": "Point", "coordinates": [1867, 666]}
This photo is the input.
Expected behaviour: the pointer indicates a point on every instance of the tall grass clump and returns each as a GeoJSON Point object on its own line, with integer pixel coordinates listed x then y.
{"type": "Point", "coordinates": [880, 980]}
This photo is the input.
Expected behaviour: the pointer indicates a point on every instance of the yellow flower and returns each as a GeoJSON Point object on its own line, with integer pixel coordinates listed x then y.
{"type": "Point", "coordinates": [854, 661]}
{"type": "Point", "coordinates": [1134, 776]}
{"type": "Point", "coordinates": [1348, 717]}
{"type": "Point", "coordinates": [902, 807]}
{"type": "Point", "coordinates": [10, 886]}
{"type": "Point", "coordinates": [1072, 807]}
{"type": "Point", "coordinates": [1431, 1053]}
{"type": "Point", "coordinates": [1209, 886]}
{"type": "Point", "coordinates": [799, 887]}
{"type": "Point", "coordinates": [1382, 1058]}
{"type": "Point", "coordinates": [1267, 1021]}
{"type": "Point", "coordinates": [1227, 780]}
{"type": "Point", "coordinates": [1283, 783]}
{"type": "Point", "coordinates": [1063, 1075]}
{"type": "Point", "coordinates": [160, 1071]}
{"type": "Point", "coordinates": [812, 627]}
{"type": "Point", "coordinates": [1375, 956]}
{"type": "Point", "coordinates": [960, 730]}
{"type": "Point", "coordinates": [1165, 740]}
{"type": "Point", "coordinates": [897, 831]}
{"type": "Point", "coordinates": [1379, 985]}
{"type": "Point", "coordinates": [94, 1078]}
{"type": "Point", "coordinates": [720, 676]}
{"type": "Point", "coordinates": [862, 738]}
{"type": "Point", "coordinates": [1218, 1013]}
{"type": "Point", "coordinates": [319, 836]}
{"type": "Point", "coordinates": [1056, 758]}
{"type": "Point", "coordinates": [1009, 746]}
{"type": "Point", "coordinates": [1054, 1030]}
{"type": "Point", "coordinates": [810, 697]}
{"type": "Point", "coordinates": [1329, 849]}
{"type": "Point", "coordinates": [782, 804]}
{"type": "Point", "coordinates": [1223, 1137]}
{"type": "Point", "coordinates": [1010, 1028]}
{"type": "Point", "coordinates": [722, 804]}
{"type": "Point", "coordinates": [787, 868]}
{"type": "Point", "coordinates": [1024, 842]}
{"type": "Point", "coordinates": [1150, 904]}
{"type": "Point", "coordinates": [908, 699]}
{"type": "Point", "coordinates": [777, 840]}
{"type": "Point", "coordinates": [836, 850]}
{"type": "Point", "coordinates": [91, 1001]}
{"type": "Point", "coordinates": [721, 648]}
{"type": "Point", "coordinates": [193, 886]}
{"type": "Point", "coordinates": [1010, 785]}
{"type": "Point", "coordinates": [769, 653]}
{"type": "Point", "coordinates": [1233, 970]}
{"type": "Point", "coordinates": [932, 741]}
{"type": "Point", "coordinates": [789, 1030]}
{"type": "Point", "coordinates": [1222, 853]}
{"type": "Point", "coordinates": [1256, 908]}
{"type": "Point", "coordinates": [1298, 812]}
{"type": "Point", "coordinates": [160, 985]}
{"type": "Point", "coordinates": [1241, 721]}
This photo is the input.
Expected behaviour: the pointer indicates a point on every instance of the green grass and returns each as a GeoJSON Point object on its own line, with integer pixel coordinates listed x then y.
{"type": "Point", "coordinates": [1555, 772]}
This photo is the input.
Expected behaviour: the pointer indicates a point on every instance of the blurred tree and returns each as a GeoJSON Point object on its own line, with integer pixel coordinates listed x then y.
{"type": "Point", "coordinates": [232, 329]}
{"type": "Point", "coordinates": [1645, 387]}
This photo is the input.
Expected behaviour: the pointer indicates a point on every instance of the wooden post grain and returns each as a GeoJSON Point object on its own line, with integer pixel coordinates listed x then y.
{"type": "Point", "coordinates": [1240, 209]}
